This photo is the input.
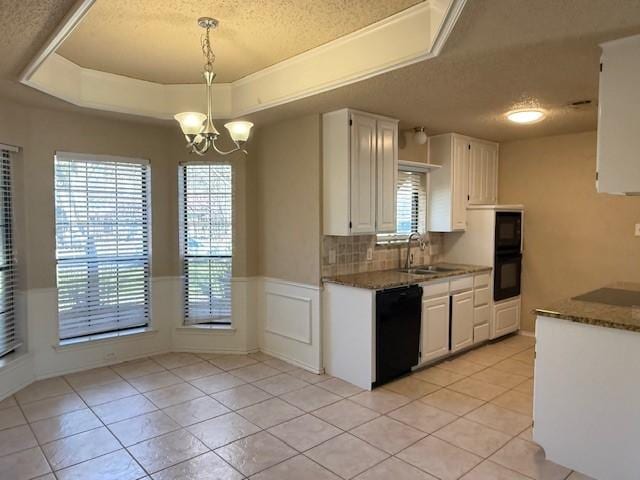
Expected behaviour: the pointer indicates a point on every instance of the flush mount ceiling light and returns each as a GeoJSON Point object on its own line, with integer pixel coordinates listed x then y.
{"type": "Point", "coordinates": [419, 136]}
{"type": "Point", "coordinates": [197, 127]}
{"type": "Point", "coordinates": [526, 116]}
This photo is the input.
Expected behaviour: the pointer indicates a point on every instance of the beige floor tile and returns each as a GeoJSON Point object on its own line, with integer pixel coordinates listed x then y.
{"type": "Point", "coordinates": [65, 425]}
{"type": "Point", "coordinates": [167, 450]}
{"type": "Point", "coordinates": [217, 383]}
{"type": "Point", "coordinates": [346, 414]}
{"type": "Point", "coordinates": [482, 357]}
{"type": "Point", "coordinates": [48, 476]}
{"type": "Point", "coordinates": [346, 455]}
{"type": "Point", "coordinates": [296, 468]}
{"type": "Point", "coordinates": [137, 368]}
{"type": "Point", "coordinates": [394, 469]}
{"type": "Point", "coordinates": [527, 435]}
{"type": "Point", "coordinates": [380, 400]}
{"type": "Point", "coordinates": [515, 367]}
{"type": "Point", "coordinates": [412, 387]}
{"type": "Point", "coordinates": [208, 466]}
{"type": "Point", "coordinates": [175, 359]}
{"type": "Point", "coordinates": [80, 447]}
{"type": "Point", "coordinates": [311, 398]}
{"type": "Point", "coordinates": [52, 406]}
{"type": "Point", "coordinates": [438, 376]}
{"type": "Point", "coordinates": [461, 366]}
{"type": "Point", "coordinates": [270, 412]}
{"type": "Point", "coordinates": [473, 437]}
{"type": "Point", "coordinates": [256, 372]}
{"type": "Point", "coordinates": [308, 376]}
{"type": "Point", "coordinates": [340, 387]}
{"type": "Point", "coordinates": [516, 401]}
{"type": "Point", "coordinates": [280, 384]}
{"type": "Point", "coordinates": [156, 380]}
{"type": "Point", "coordinates": [230, 362]}
{"type": "Point", "coordinates": [8, 402]}
{"type": "Point", "coordinates": [525, 387]}
{"type": "Point", "coordinates": [388, 434]}
{"type": "Point", "coordinates": [242, 396]}
{"type": "Point", "coordinates": [260, 357]}
{"type": "Point", "coordinates": [222, 430]}
{"type": "Point", "coordinates": [452, 402]}
{"type": "Point", "coordinates": [118, 465]}
{"type": "Point", "coordinates": [255, 453]}
{"type": "Point", "coordinates": [92, 378]}
{"type": "Point", "coordinates": [16, 439]}
{"type": "Point", "coordinates": [107, 393]}
{"type": "Point", "coordinates": [578, 476]}
{"type": "Point", "coordinates": [24, 465]}
{"type": "Point", "coordinates": [279, 364]}
{"type": "Point", "coordinates": [497, 377]}
{"type": "Point", "coordinates": [528, 458]}
{"type": "Point", "coordinates": [168, 396]}
{"type": "Point", "coordinates": [143, 427]}
{"type": "Point", "coordinates": [477, 389]}
{"type": "Point", "coordinates": [488, 470]}
{"type": "Point", "coordinates": [195, 411]}
{"type": "Point", "coordinates": [526, 356]}
{"type": "Point", "coordinates": [196, 370]}
{"type": "Point", "coordinates": [439, 458]}
{"type": "Point", "coordinates": [41, 389]}
{"type": "Point", "coordinates": [123, 408]}
{"type": "Point", "coordinates": [423, 416]}
{"type": "Point", "coordinates": [304, 432]}
{"type": "Point", "coordinates": [11, 417]}
{"type": "Point", "coordinates": [501, 419]}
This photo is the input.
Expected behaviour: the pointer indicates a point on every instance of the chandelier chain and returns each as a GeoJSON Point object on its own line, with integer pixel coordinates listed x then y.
{"type": "Point", "coordinates": [207, 51]}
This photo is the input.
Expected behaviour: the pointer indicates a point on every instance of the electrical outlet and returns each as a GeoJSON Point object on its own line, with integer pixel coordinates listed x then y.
{"type": "Point", "coordinates": [332, 256]}
{"type": "Point", "coordinates": [369, 253]}
{"type": "Point", "coordinates": [637, 229]}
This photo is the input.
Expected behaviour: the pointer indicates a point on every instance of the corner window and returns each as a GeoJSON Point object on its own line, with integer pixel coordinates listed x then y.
{"type": "Point", "coordinates": [8, 335]}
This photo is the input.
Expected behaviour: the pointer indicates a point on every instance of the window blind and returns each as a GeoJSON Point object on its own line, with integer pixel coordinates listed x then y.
{"type": "Point", "coordinates": [8, 335]}
{"type": "Point", "coordinates": [206, 234]}
{"type": "Point", "coordinates": [102, 244]}
{"type": "Point", "coordinates": [411, 202]}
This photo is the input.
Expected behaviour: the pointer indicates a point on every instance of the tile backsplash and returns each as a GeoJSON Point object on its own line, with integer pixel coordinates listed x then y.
{"type": "Point", "coordinates": [351, 254]}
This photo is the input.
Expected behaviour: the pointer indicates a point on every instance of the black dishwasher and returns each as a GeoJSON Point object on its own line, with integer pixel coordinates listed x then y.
{"type": "Point", "coordinates": [398, 318]}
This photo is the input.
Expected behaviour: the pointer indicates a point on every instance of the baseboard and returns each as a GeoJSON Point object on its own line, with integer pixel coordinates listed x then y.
{"type": "Point", "coordinates": [526, 333]}
{"type": "Point", "coordinates": [293, 361]}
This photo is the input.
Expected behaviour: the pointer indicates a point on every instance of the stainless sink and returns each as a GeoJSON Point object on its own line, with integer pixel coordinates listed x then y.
{"type": "Point", "coordinates": [430, 269]}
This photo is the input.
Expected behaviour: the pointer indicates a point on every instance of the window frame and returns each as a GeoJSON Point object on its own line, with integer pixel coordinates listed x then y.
{"type": "Point", "coordinates": [7, 191]}
{"type": "Point", "coordinates": [147, 258]}
{"type": "Point", "coordinates": [224, 322]}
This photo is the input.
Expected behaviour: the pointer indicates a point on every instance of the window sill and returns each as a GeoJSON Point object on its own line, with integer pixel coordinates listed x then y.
{"type": "Point", "coordinates": [12, 360]}
{"type": "Point", "coordinates": [103, 338]}
{"type": "Point", "coordinates": [207, 329]}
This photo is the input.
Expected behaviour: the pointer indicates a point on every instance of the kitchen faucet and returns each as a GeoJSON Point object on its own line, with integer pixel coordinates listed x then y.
{"type": "Point", "coordinates": [421, 241]}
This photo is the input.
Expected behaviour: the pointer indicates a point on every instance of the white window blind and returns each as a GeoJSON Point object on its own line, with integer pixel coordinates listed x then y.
{"type": "Point", "coordinates": [206, 234]}
{"type": "Point", "coordinates": [8, 335]}
{"type": "Point", "coordinates": [102, 244]}
{"type": "Point", "coordinates": [411, 216]}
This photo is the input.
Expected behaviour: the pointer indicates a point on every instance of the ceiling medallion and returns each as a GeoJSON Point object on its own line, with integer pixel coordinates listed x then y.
{"type": "Point", "coordinates": [197, 127]}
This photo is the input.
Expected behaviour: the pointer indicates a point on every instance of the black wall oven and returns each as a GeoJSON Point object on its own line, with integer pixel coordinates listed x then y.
{"type": "Point", "coordinates": [508, 255]}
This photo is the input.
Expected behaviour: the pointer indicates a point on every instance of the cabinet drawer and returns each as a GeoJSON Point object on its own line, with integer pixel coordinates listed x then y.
{"type": "Point", "coordinates": [481, 315]}
{"type": "Point", "coordinates": [481, 296]}
{"type": "Point", "coordinates": [480, 333]}
{"type": "Point", "coordinates": [459, 284]}
{"type": "Point", "coordinates": [481, 280]}
{"type": "Point", "coordinates": [436, 289]}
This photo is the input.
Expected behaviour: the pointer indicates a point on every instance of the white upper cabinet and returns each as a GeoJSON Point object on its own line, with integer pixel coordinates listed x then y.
{"type": "Point", "coordinates": [360, 169]}
{"type": "Point", "coordinates": [483, 173]}
{"type": "Point", "coordinates": [618, 169]}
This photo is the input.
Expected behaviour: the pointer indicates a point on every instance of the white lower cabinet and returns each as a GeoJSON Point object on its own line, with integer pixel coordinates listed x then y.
{"type": "Point", "coordinates": [506, 317]}
{"type": "Point", "coordinates": [481, 333]}
{"type": "Point", "coordinates": [462, 320]}
{"type": "Point", "coordinates": [435, 328]}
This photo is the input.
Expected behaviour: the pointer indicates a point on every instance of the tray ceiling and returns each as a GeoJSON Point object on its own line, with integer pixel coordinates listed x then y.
{"type": "Point", "coordinates": [159, 41]}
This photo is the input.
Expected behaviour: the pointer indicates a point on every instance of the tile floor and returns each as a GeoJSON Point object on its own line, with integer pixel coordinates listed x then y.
{"type": "Point", "coordinates": [187, 416]}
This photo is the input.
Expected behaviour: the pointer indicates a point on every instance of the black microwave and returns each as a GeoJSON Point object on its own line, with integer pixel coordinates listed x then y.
{"type": "Point", "coordinates": [508, 235]}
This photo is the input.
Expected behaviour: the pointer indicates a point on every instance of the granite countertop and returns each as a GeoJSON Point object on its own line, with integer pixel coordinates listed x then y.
{"type": "Point", "coordinates": [392, 278]}
{"type": "Point", "coordinates": [624, 316]}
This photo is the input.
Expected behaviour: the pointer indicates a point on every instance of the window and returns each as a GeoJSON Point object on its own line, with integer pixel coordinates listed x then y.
{"type": "Point", "coordinates": [411, 215]}
{"type": "Point", "coordinates": [102, 244]}
{"type": "Point", "coordinates": [206, 214]}
{"type": "Point", "coordinates": [8, 335]}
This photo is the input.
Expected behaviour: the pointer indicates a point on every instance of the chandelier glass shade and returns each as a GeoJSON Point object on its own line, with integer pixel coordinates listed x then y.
{"type": "Point", "coordinates": [198, 128]}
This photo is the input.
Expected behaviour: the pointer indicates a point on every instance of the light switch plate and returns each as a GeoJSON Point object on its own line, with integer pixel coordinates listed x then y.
{"type": "Point", "coordinates": [637, 229]}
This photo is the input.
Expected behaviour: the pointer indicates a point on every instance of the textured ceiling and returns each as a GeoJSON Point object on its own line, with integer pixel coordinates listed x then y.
{"type": "Point", "coordinates": [159, 40]}
{"type": "Point", "coordinates": [500, 53]}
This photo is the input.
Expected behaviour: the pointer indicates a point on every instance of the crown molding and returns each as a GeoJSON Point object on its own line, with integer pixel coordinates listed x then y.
{"type": "Point", "coordinates": [413, 35]}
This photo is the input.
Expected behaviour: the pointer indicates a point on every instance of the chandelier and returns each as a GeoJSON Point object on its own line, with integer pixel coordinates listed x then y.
{"type": "Point", "coordinates": [197, 127]}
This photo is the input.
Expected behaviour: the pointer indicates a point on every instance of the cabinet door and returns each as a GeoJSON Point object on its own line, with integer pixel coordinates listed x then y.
{"type": "Point", "coordinates": [460, 184]}
{"type": "Point", "coordinates": [506, 318]}
{"type": "Point", "coordinates": [461, 320]}
{"type": "Point", "coordinates": [363, 174]}
{"type": "Point", "coordinates": [435, 328]}
{"type": "Point", "coordinates": [483, 171]}
{"type": "Point", "coordinates": [387, 160]}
